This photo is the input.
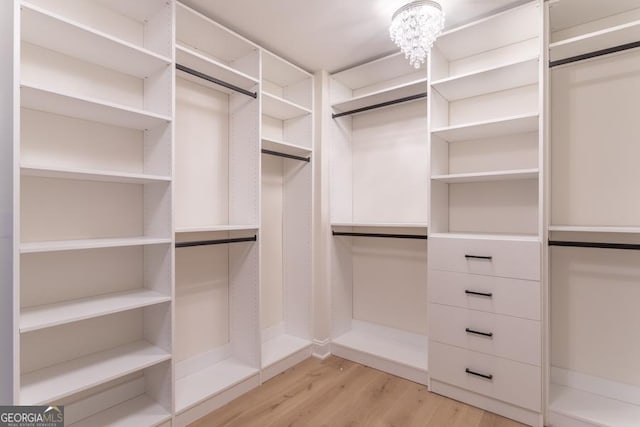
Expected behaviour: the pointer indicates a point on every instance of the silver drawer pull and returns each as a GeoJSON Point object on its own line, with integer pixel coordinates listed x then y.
{"type": "Point", "coordinates": [485, 257]}
{"type": "Point", "coordinates": [478, 374]}
{"type": "Point", "coordinates": [474, 332]}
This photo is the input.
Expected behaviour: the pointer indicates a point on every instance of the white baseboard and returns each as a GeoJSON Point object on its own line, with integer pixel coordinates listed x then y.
{"type": "Point", "coordinates": [321, 348]}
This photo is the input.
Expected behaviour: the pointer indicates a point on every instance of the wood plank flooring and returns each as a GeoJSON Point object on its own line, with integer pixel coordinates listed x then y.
{"type": "Point", "coordinates": [337, 392]}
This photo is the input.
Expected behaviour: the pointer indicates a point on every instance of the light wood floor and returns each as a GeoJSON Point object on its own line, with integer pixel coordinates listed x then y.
{"type": "Point", "coordinates": [337, 392]}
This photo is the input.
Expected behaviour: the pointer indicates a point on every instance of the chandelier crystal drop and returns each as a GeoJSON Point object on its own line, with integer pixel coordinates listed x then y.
{"type": "Point", "coordinates": [414, 28]}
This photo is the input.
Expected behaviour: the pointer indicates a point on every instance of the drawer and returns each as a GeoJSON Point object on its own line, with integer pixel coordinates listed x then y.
{"type": "Point", "coordinates": [514, 258]}
{"type": "Point", "coordinates": [502, 295]}
{"type": "Point", "coordinates": [504, 336]}
{"type": "Point", "coordinates": [512, 382]}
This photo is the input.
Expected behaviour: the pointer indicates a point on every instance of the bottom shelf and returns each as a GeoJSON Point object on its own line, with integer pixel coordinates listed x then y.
{"type": "Point", "coordinates": [281, 347]}
{"type": "Point", "coordinates": [590, 409]}
{"type": "Point", "coordinates": [201, 385]}
{"type": "Point", "coordinates": [141, 411]}
{"type": "Point", "coordinates": [391, 350]}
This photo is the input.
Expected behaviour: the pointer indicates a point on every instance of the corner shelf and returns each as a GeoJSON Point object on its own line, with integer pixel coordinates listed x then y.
{"type": "Point", "coordinates": [192, 59]}
{"type": "Point", "coordinates": [503, 77]}
{"type": "Point", "coordinates": [594, 41]}
{"type": "Point", "coordinates": [46, 316]}
{"type": "Point", "coordinates": [79, 41]}
{"type": "Point", "coordinates": [285, 147]}
{"type": "Point", "coordinates": [73, 245]}
{"type": "Point", "coordinates": [389, 94]}
{"type": "Point", "coordinates": [91, 175]}
{"type": "Point", "coordinates": [141, 411]}
{"type": "Point", "coordinates": [489, 129]}
{"type": "Point", "coordinates": [42, 99]}
{"type": "Point", "coordinates": [62, 380]}
{"type": "Point", "coordinates": [508, 175]}
{"type": "Point", "coordinates": [280, 108]}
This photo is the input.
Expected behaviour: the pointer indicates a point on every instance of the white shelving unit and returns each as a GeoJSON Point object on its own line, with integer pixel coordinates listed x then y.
{"type": "Point", "coordinates": [486, 214]}
{"type": "Point", "coordinates": [95, 214]}
{"type": "Point", "coordinates": [379, 175]}
{"type": "Point", "coordinates": [286, 215]}
{"type": "Point", "coordinates": [592, 355]}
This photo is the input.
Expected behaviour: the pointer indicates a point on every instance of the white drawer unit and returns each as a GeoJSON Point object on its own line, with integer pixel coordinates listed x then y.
{"type": "Point", "coordinates": [515, 258]}
{"type": "Point", "coordinates": [512, 382]}
{"type": "Point", "coordinates": [512, 297]}
{"type": "Point", "coordinates": [504, 336]}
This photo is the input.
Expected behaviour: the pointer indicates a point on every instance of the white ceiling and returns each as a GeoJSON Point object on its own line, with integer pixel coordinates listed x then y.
{"type": "Point", "coordinates": [327, 34]}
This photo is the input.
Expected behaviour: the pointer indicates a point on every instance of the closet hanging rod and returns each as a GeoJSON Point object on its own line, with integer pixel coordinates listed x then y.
{"type": "Point", "coordinates": [215, 81]}
{"type": "Point", "coordinates": [600, 245]}
{"type": "Point", "coordinates": [288, 156]}
{"type": "Point", "coordinates": [215, 242]}
{"type": "Point", "coordinates": [380, 105]}
{"type": "Point", "coordinates": [383, 235]}
{"type": "Point", "coordinates": [595, 54]}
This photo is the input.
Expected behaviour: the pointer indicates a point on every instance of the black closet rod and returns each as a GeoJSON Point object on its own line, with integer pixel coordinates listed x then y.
{"type": "Point", "coordinates": [382, 104]}
{"type": "Point", "coordinates": [383, 235]}
{"type": "Point", "coordinates": [594, 54]}
{"type": "Point", "coordinates": [215, 242]}
{"type": "Point", "coordinates": [624, 246]}
{"type": "Point", "coordinates": [288, 156]}
{"type": "Point", "coordinates": [215, 81]}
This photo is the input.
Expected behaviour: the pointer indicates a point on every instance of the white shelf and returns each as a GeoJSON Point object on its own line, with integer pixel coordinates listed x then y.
{"type": "Point", "coordinates": [285, 147]}
{"type": "Point", "coordinates": [592, 408]}
{"type": "Point", "coordinates": [507, 175]}
{"type": "Point", "coordinates": [489, 80]}
{"type": "Point", "coordinates": [280, 347]}
{"type": "Point", "coordinates": [91, 175]}
{"type": "Point", "coordinates": [280, 108]}
{"type": "Point", "coordinates": [42, 99]}
{"type": "Point", "coordinates": [489, 129]}
{"type": "Point", "coordinates": [192, 59]}
{"type": "Point", "coordinates": [141, 411]}
{"type": "Point", "coordinates": [597, 40]}
{"type": "Point", "coordinates": [487, 236]}
{"type": "Point", "coordinates": [46, 316]}
{"type": "Point", "coordinates": [72, 245]}
{"type": "Point", "coordinates": [62, 380]}
{"type": "Point", "coordinates": [214, 228]}
{"type": "Point", "coordinates": [380, 225]}
{"type": "Point", "coordinates": [140, 10]}
{"type": "Point", "coordinates": [201, 385]}
{"type": "Point", "coordinates": [501, 29]}
{"type": "Point", "coordinates": [385, 95]}
{"type": "Point", "coordinates": [594, 229]}
{"type": "Point", "coordinates": [394, 345]}
{"type": "Point", "coordinates": [281, 72]}
{"type": "Point", "coordinates": [59, 34]}
{"type": "Point", "coordinates": [384, 69]}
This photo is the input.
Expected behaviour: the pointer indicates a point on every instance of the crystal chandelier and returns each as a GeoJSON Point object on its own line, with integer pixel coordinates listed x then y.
{"type": "Point", "coordinates": [414, 28]}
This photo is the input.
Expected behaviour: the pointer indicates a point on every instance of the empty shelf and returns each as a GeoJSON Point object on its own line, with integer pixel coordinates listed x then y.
{"type": "Point", "coordinates": [45, 316]}
{"type": "Point", "coordinates": [390, 94]}
{"type": "Point", "coordinates": [489, 128]}
{"type": "Point", "coordinates": [280, 108]}
{"type": "Point", "coordinates": [285, 147]}
{"type": "Point", "coordinates": [281, 347]}
{"type": "Point", "coordinates": [508, 175]}
{"type": "Point", "coordinates": [421, 225]}
{"type": "Point", "coordinates": [487, 236]}
{"type": "Point", "coordinates": [62, 380]}
{"type": "Point", "coordinates": [594, 229]}
{"type": "Point", "coordinates": [91, 175]}
{"type": "Point", "coordinates": [71, 245]}
{"type": "Point", "coordinates": [141, 411]}
{"type": "Point", "coordinates": [50, 101]}
{"type": "Point", "coordinates": [193, 389]}
{"type": "Point", "coordinates": [56, 33]}
{"type": "Point", "coordinates": [214, 228]}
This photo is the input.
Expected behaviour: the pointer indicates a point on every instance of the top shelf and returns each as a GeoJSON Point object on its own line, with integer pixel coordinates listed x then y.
{"type": "Point", "coordinates": [502, 29]}
{"type": "Point", "coordinates": [382, 96]}
{"type": "Point", "coordinates": [281, 72]}
{"type": "Point", "coordinates": [381, 70]}
{"type": "Point", "coordinates": [59, 34]}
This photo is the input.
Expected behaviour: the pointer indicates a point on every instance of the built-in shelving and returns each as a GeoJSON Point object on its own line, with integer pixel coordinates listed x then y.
{"type": "Point", "coordinates": [382, 96]}
{"type": "Point", "coordinates": [282, 347]}
{"type": "Point", "coordinates": [380, 225]}
{"type": "Point", "coordinates": [507, 175]}
{"type": "Point", "coordinates": [140, 411]}
{"type": "Point", "coordinates": [281, 108]}
{"type": "Point", "coordinates": [285, 147]}
{"type": "Point", "coordinates": [594, 229]}
{"type": "Point", "coordinates": [91, 175]}
{"type": "Point", "coordinates": [488, 236]}
{"type": "Point", "coordinates": [74, 245]}
{"type": "Point", "coordinates": [489, 128]}
{"type": "Point", "coordinates": [215, 228]}
{"type": "Point", "coordinates": [62, 380]}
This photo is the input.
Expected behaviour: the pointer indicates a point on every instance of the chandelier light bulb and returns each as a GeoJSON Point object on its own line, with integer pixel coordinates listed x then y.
{"type": "Point", "coordinates": [414, 28]}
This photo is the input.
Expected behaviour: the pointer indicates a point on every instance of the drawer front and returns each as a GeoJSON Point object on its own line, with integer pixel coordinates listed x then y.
{"type": "Point", "coordinates": [490, 257]}
{"type": "Point", "coordinates": [504, 336]}
{"type": "Point", "coordinates": [512, 382]}
{"type": "Point", "coordinates": [512, 297]}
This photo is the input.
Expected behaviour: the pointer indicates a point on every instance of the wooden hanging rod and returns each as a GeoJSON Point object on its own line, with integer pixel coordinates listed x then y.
{"type": "Point", "coordinates": [215, 242]}
{"type": "Point", "coordinates": [599, 245]}
{"type": "Point", "coordinates": [288, 156]}
{"type": "Point", "coordinates": [380, 105]}
{"type": "Point", "coordinates": [215, 81]}
{"type": "Point", "coordinates": [382, 235]}
{"type": "Point", "coordinates": [594, 54]}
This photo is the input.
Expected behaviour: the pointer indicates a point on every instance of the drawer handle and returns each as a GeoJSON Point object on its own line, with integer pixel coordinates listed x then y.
{"type": "Point", "coordinates": [479, 294]}
{"type": "Point", "coordinates": [478, 374]}
{"type": "Point", "coordinates": [484, 334]}
{"type": "Point", "coordinates": [488, 258]}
